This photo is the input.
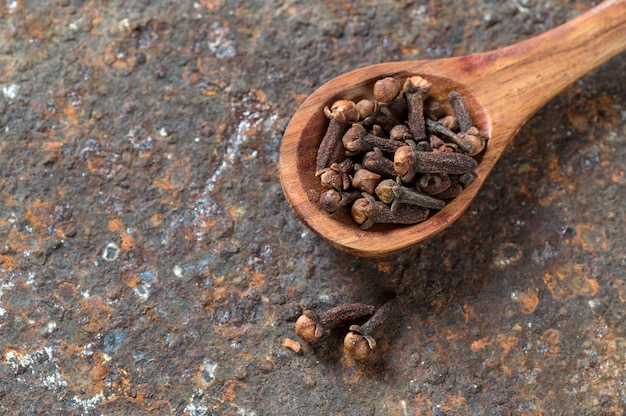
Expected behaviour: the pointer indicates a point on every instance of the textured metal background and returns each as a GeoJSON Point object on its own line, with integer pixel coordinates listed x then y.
{"type": "Point", "coordinates": [149, 263]}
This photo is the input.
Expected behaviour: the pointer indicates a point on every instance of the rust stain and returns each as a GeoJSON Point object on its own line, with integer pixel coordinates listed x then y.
{"type": "Point", "coordinates": [39, 215]}
{"type": "Point", "coordinates": [618, 176]}
{"type": "Point", "coordinates": [236, 212]}
{"type": "Point", "coordinates": [456, 403]}
{"type": "Point", "coordinates": [174, 181]}
{"type": "Point", "coordinates": [133, 281]}
{"type": "Point", "coordinates": [480, 344]}
{"type": "Point", "coordinates": [117, 226]}
{"type": "Point", "coordinates": [590, 237]}
{"type": "Point", "coordinates": [84, 373]}
{"type": "Point", "coordinates": [8, 261]}
{"type": "Point", "coordinates": [97, 312]}
{"type": "Point", "coordinates": [529, 301]}
{"type": "Point", "coordinates": [67, 294]}
{"type": "Point", "coordinates": [212, 5]}
{"type": "Point", "coordinates": [619, 284]}
{"type": "Point", "coordinates": [385, 267]}
{"type": "Point", "coordinates": [552, 338]}
{"type": "Point", "coordinates": [506, 343]}
{"type": "Point", "coordinates": [257, 281]}
{"type": "Point", "coordinates": [576, 282]}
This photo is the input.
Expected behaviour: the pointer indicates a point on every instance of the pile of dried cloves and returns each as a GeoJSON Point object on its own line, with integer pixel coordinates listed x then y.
{"type": "Point", "coordinates": [394, 158]}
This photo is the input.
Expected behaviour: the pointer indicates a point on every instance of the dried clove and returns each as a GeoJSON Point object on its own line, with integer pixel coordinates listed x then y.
{"type": "Point", "coordinates": [473, 141]}
{"type": "Point", "coordinates": [357, 140]}
{"type": "Point", "coordinates": [451, 191]}
{"type": "Point", "coordinates": [360, 342]}
{"type": "Point", "coordinates": [466, 179]}
{"type": "Point", "coordinates": [341, 115]}
{"type": "Point", "coordinates": [386, 89]}
{"type": "Point", "coordinates": [333, 199]}
{"type": "Point", "coordinates": [434, 183]}
{"type": "Point", "coordinates": [311, 327]}
{"type": "Point", "coordinates": [449, 122]}
{"type": "Point", "coordinates": [365, 180]}
{"type": "Point", "coordinates": [433, 109]}
{"type": "Point", "coordinates": [337, 176]}
{"type": "Point", "coordinates": [381, 116]}
{"type": "Point", "coordinates": [400, 132]}
{"type": "Point", "coordinates": [457, 102]}
{"type": "Point", "coordinates": [376, 161]}
{"type": "Point", "coordinates": [408, 161]}
{"type": "Point", "coordinates": [392, 192]}
{"type": "Point", "coordinates": [367, 211]}
{"type": "Point", "coordinates": [366, 108]}
{"type": "Point", "coordinates": [445, 133]}
{"type": "Point", "coordinates": [378, 131]}
{"type": "Point", "coordinates": [415, 90]}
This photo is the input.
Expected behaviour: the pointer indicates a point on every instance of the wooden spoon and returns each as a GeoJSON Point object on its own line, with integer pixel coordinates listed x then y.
{"type": "Point", "coordinates": [503, 89]}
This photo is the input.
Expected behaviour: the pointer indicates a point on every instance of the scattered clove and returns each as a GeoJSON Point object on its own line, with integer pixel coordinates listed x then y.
{"type": "Point", "coordinates": [360, 342]}
{"type": "Point", "coordinates": [311, 327]}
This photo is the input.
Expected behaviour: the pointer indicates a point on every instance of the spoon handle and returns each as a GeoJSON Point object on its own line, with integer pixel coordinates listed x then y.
{"type": "Point", "coordinates": [523, 77]}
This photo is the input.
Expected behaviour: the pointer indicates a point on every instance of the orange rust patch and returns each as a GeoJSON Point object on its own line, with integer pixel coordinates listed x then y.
{"type": "Point", "coordinates": [210, 4]}
{"type": "Point", "coordinates": [236, 212]}
{"type": "Point", "coordinates": [385, 267]}
{"type": "Point", "coordinates": [552, 338]}
{"type": "Point", "coordinates": [257, 281]}
{"type": "Point", "coordinates": [620, 285]}
{"type": "Point", "coordinates": [8, 261]}
{"type": "Point", "coordinates": [85, 374]}
{"type": "Point", "coordinates": [529, 301]}
{"type": "Point", "coordinates": [590, 238]}
{"type": "Point", "coordinates": [480, 344]}
{"type": "Point", "coordinates": [117, 226]}
{"type": "Point", "coordinates": [38, 214]}
{"type": "Point", "coordinates": [66, 294]}
{"type": "Point", "coordinates": [97, 311]}
{"type": "Point", "coordinates": [575, 283]}
{"type": "Point", "coordinates": [174, 180]}
{"type": "Point", "coordinates": [507, 343]}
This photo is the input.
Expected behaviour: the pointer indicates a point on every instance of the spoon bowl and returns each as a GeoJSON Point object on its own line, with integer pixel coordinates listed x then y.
{"type": "Point", "coordinates": [503, 89]}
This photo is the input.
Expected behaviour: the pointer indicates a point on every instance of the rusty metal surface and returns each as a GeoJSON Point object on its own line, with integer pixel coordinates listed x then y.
{"type": "Point", "coordinates": [149, 263]}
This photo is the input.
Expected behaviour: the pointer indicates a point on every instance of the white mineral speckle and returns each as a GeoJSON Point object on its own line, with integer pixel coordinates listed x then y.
{"type": "Point", "coordinates": [10, 91]}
